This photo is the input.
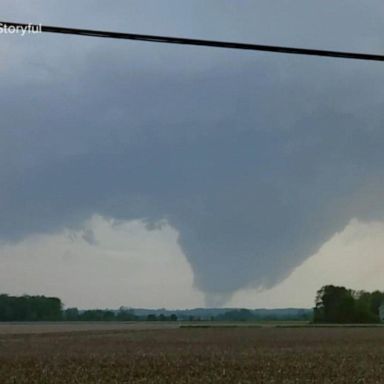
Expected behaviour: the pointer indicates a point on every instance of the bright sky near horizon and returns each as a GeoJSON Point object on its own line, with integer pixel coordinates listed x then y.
{"type": "Point", "coordinates": [111, 264]}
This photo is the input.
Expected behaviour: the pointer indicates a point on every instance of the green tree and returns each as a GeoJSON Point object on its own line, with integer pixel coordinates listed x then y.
{"type": "Point", "coordinates": [341, 305]}
{"type": "Point", "coordinates": [334, 305]}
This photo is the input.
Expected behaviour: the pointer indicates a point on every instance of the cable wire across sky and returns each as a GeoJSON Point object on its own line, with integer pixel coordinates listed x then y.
{"type": "Point", "coordinates": [196, 42]}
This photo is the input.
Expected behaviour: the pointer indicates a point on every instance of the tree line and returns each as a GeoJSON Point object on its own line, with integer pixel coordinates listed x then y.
{"type": "Point", "coordinates": [30, 308]}
{"type": "Point", "coordinates": [41, 308]}
{"type": "Point", "coordinates": [336, 304]}
{"type": "Point", "coordinates": [123, 314]}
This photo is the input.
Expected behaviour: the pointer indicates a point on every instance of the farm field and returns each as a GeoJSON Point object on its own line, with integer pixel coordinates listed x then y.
{"type": "Point", "coordinates": [7, 328]}
{"type": "Point", "coordinates": [195, 355]}
{"type": "Point", "coordinates": [65, 327]}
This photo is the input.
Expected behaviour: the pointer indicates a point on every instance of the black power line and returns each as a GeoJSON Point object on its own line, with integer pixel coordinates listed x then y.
{"type": "Point", "coordinates": [195, 42]}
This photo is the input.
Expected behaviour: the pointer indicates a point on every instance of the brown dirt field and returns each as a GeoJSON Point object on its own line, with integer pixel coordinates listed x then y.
{"type": "Point", "coordinates": [209, 355]}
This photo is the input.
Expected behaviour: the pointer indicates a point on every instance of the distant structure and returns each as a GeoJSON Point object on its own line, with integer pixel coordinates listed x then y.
{"type": "Point", "coordinates": [381, 312]}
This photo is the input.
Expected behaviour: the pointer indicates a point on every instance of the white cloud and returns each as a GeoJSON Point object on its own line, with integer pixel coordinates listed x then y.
{"type": "Point", "coordinates": [353, 258]}
{"type": "Point", "coordinates": [107, 264]}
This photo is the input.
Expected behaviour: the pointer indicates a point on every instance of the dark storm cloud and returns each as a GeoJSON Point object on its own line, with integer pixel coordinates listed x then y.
{"type": "Point", "coordinates": [256, 159]}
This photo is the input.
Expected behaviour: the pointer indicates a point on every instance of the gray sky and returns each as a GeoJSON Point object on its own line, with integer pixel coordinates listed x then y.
{"type": "Point", "coordinates": [251, 161]}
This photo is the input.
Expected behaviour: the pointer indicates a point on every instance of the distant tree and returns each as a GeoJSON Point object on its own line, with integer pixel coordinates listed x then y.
{"type": "Point", "coordinates": [236, 315]}
{"type": "Point", "coordinates": [30, 308]}
{"type": "Point", "coordinates": [125, 315]}
{"type": "Point", "coordinates": [71, 314]}
{"type": "Point", "coordinates": [97, 315]}
{"type": "Point", "coordinates": [377, 299]}
{"type": "Point", "coordinates": [108, 315]}
{"type": "Point", "coordinates": [335, 304]}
